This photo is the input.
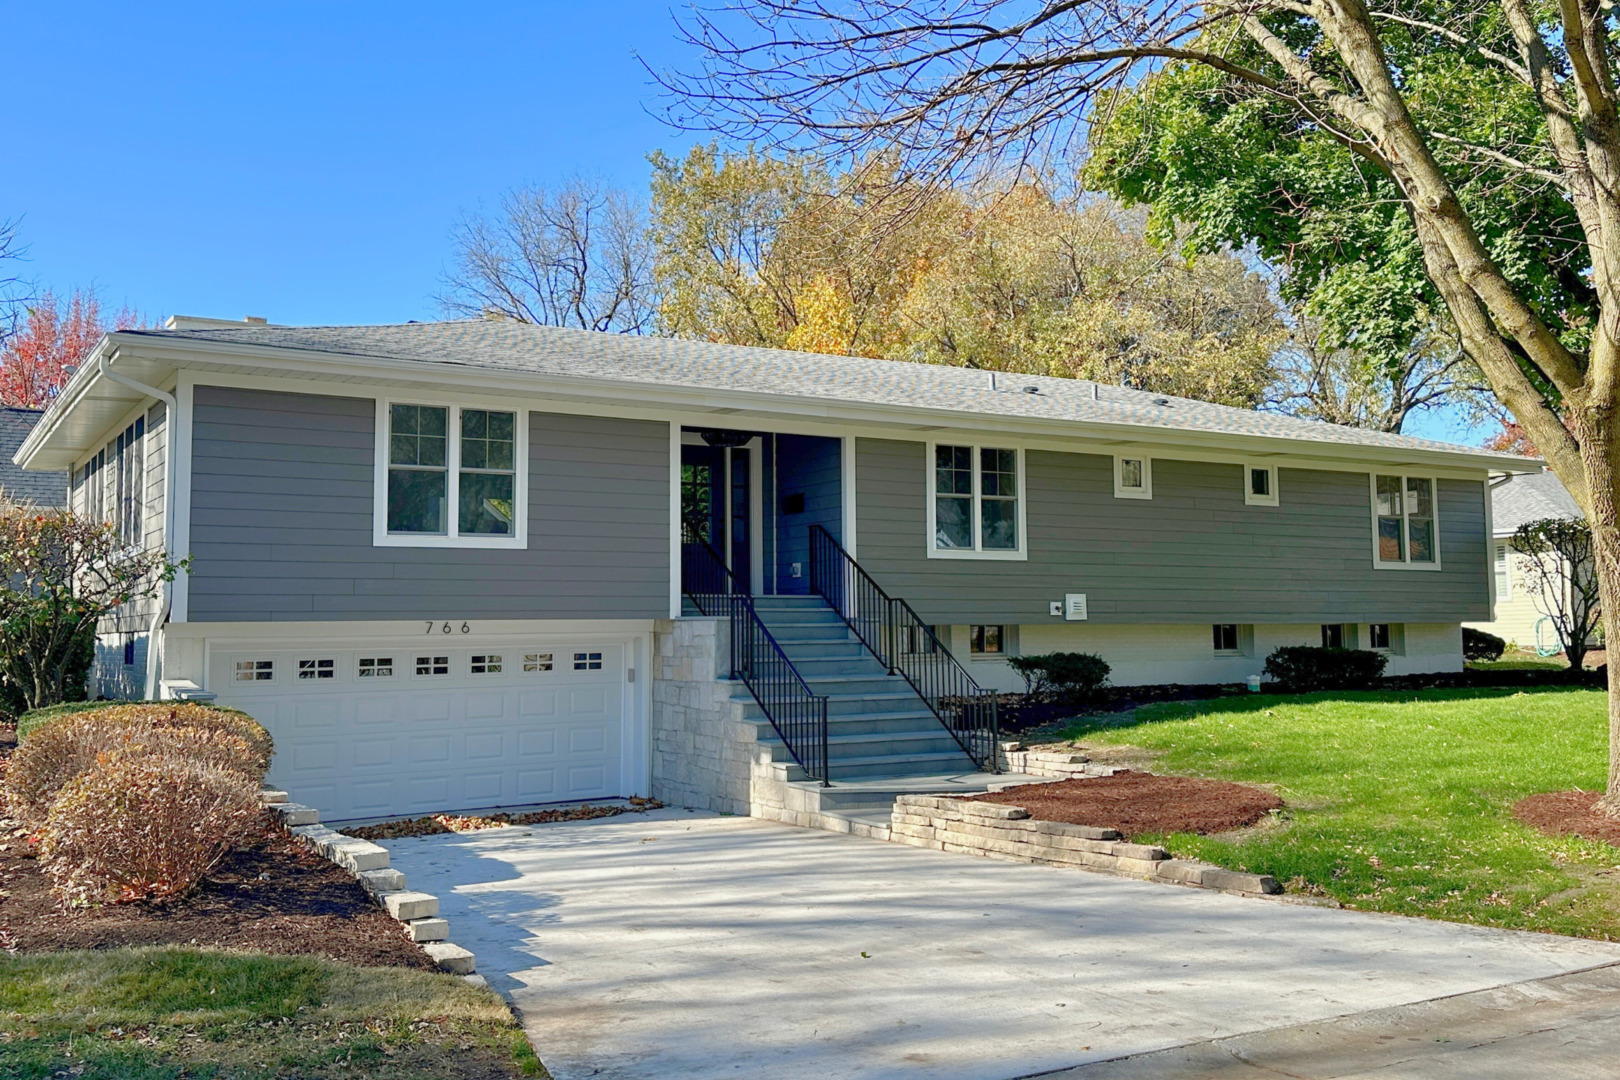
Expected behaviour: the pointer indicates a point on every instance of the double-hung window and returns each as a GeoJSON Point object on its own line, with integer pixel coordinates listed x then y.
{"type": "Point", "coordinates": [450, 475]}
{"type": "Point", "coordinates": [975, 502]}
{"type": "Point", "coordinates": [1405, 527]}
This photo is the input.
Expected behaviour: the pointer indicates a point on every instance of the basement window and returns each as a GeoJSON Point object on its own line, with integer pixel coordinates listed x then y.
{"type": "Point", "coordinates": [987, 640]}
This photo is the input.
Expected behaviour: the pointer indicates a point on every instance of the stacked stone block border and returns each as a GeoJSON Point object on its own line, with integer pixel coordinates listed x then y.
{"type": "Point", "coordinates": [369, 863]}
{"type": "Point", "coordinates": [1007, 832]}
{"type": "Point", "coordinates": [1054, 762]}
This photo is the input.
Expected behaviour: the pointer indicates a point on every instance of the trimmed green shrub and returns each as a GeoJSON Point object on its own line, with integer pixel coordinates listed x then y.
{"type": "Point", "coordinates": [1478, 645]}
{"type": "Point", "coordinates": [1298, 668]}
{"type": "Point", "coordinates": [1071, 678]}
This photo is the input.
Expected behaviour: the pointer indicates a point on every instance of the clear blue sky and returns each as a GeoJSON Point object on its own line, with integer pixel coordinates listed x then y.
{"type": "Point", "coordinates": [302, 161]}
{"type": "Point", "coordinates": [306, 162]}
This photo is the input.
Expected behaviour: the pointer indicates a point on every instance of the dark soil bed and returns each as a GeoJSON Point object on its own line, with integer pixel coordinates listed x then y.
{"type": "Point", "coordinates": [1137, 803]}
{"type": "Point", "coordinates": [275, 896]}
{"type": "Point", "coordinates": [1568, 813]}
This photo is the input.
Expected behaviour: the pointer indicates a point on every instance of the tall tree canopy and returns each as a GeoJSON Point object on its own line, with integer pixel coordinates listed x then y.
{"type": "Point", "coordinates": [1396, 155]}
{"type": "Point", "coordinates": [780, 251]}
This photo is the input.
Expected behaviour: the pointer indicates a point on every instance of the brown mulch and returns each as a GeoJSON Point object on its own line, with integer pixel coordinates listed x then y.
{"type": "Point", "coordinates": [1568, 813]}
{"type": "Point", "coordinates": [1138, 802]}
{"type": "Point", "coordinates": [434, 824]}
{"type": "Point", "coordinates": [274, 896]}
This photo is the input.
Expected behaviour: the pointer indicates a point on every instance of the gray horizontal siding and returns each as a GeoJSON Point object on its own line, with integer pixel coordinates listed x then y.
{"type": "Point", "coordinates": [281, 513]}
{"type": "Point", "coordinates": [1193, 553]}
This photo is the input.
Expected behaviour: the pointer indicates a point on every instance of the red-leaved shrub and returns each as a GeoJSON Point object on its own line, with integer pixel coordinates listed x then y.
{"type": "Point", "coordinates": [145, 824]}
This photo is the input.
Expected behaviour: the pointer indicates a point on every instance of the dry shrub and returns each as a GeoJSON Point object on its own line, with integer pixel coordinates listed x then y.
{"type": "Point", "coordinates": [58, 753]}
{"type": "Point", "coordinates": [142, 824]}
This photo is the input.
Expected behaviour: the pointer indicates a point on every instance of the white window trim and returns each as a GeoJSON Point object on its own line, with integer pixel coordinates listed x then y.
{"type": "Point", "coordinates": [381, 537]}
{"type": "Point", "coordinates": [1143, 492]}
{"type": "Point", "coordinates": [1019, 554]}
{"type": "Point", "coordinates": [1434, 489]}
{"type": "Point", "coordinates": [1249, 497]}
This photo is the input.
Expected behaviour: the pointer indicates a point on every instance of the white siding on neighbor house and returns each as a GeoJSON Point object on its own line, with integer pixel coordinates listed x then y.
{"type": "Point", "coordinates": [1517, 613]}
{"type": "Point", "coordinates": [1142, 655]}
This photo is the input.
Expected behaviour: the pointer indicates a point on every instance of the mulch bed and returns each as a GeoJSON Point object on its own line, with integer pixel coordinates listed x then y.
{"type": "Point", "coordinates": [274, 896]}
{"type": "Point", "coordinates": [1137, 802]}
{"type": "Point", "coordinates": [1568, 813]}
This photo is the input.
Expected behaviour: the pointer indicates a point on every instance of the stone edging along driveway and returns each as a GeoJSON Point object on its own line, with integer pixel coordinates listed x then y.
{"type": "Point", "coordinates": [1007, 832]}
{"type": "Point", "coordinates": [369, 863]}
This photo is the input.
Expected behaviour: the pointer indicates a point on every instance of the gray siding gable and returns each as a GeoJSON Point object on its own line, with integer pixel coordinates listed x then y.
{"type": "Point", "coordinates": [1193, 553]}
{"type": "Point", "coordinates": [281, 521]}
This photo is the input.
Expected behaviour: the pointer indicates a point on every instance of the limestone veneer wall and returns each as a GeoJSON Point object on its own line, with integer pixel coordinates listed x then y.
{"type": "Point", "coordinates": [702, 747]}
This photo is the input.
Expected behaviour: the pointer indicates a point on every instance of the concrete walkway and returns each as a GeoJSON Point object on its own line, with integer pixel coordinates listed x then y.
{"type": "Point", "coordinates": [679, 944]}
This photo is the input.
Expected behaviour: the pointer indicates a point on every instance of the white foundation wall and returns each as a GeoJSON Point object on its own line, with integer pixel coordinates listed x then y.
{"type": "Point", "coordinates": [1146, 655]}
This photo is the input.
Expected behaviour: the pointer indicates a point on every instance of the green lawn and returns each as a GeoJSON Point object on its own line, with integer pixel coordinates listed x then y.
{"type": "Point", "coordinates": [1400, 802]}
{"type": "Point", "coordinates": [165, 1013]}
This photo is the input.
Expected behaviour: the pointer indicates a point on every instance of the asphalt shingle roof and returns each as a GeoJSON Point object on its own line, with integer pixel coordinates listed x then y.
{"type": "Point", "coordinates": [553, 351]}
{"type": "Point", "coordinates": [40, 488]}
{"type": "Point", "coordinates": [1529, 497]}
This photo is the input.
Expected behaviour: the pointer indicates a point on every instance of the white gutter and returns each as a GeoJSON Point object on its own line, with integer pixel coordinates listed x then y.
{"type": "Point", "coordinates": [161, 615]}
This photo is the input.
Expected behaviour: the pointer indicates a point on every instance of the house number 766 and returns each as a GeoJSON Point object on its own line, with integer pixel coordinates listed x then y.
{"type": "Point", "coordinates": [446, 628]}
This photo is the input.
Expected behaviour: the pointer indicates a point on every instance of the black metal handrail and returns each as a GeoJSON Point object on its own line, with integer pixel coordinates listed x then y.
{"type": "Point", "coordinates": [798, 714]}
{"type": "Point", "coordinates": [907, 646]}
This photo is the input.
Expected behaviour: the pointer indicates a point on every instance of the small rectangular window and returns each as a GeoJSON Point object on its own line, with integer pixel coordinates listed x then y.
{"type": "Point", "coordinates": [1378, 636]}
{"type": "Point", "coordinates": [433, 665]}
{"type": "Point", "coordinates": [587, 661]}
{"type": "Point", "coordinates": [1332, 635]}
{"type": "Point", "coordinates": [986, 640]}
{"type": "Point", "coordinates": [1133, 478]}
{"type": "Point", "coordinates": [317, 669]}
{"type": "Point", "coordinates": [486, 664]}
{"type": "Point", "coordinates": [537, 661]}
{"type": "Point", "coordinates": [377, 667]}
{"type": "Point", "coordinates": [129, 652]}
{"type": "Point", "coordinates": [1226, 638]}
{"type": "Point", "coordinates": [1260, 485]}
{"type": "Point", "coordinates": [255, 670]}
{"type": "Point", "coordinates": [1504, 574]}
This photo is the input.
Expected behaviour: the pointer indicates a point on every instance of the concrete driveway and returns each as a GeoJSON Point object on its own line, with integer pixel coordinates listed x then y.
{"type": "Point", "coordinates": [680, 944]}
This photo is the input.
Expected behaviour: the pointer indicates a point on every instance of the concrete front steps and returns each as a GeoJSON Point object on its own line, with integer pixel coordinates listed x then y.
{"type": "Point", "coordinates": [882, 741]}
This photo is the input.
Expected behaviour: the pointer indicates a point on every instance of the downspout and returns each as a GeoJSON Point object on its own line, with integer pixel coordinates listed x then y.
{"type": "Point", "coordinates": [160, 616]}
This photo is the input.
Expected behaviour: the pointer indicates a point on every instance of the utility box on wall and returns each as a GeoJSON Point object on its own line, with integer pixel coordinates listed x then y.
{"type": "Point", "coordinates": [1074, 607]}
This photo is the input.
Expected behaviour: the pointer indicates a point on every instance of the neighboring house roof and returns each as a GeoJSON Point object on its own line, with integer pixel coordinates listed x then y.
{"type": "Point", "coordinates": [40, 488]}
{"type": "Point", "coordinates": [1529, 497]}
{"type": "Point", "coordinates": [520, 347]}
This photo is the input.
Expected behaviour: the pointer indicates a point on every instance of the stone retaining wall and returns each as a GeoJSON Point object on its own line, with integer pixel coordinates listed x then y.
{"type": "Point", "coordinates": [1054, 762]}
{"type": "Point", "coordinates": [1007, 832]}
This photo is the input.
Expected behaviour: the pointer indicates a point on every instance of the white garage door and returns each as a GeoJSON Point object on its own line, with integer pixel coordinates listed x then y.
{"type": "Point", "coordinates": [423, 727]}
